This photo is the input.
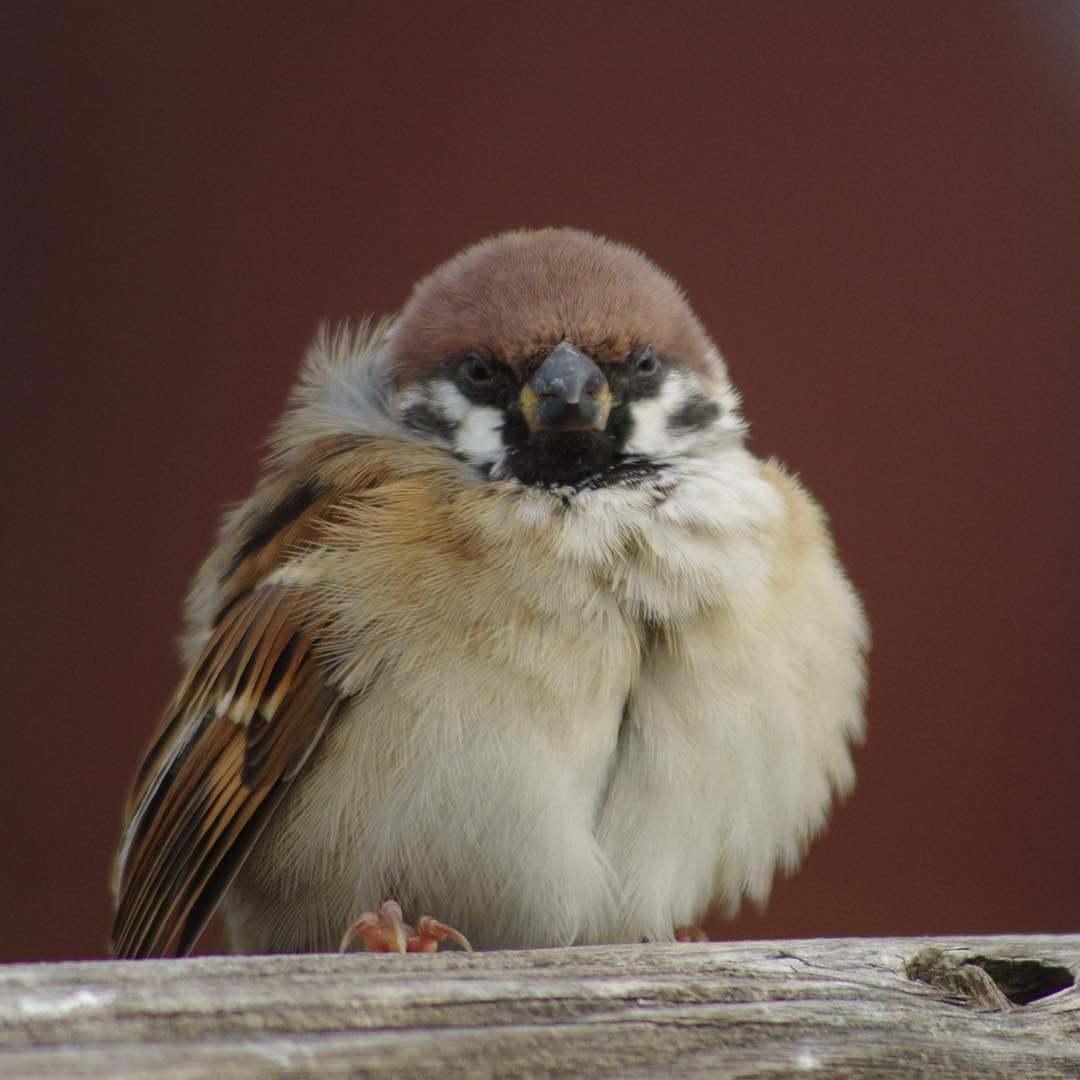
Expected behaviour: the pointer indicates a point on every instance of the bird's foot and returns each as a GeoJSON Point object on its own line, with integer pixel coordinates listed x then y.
{"type": "Point", "coordinates": [387, 931]}
{"type": "Point", "coordinates": [690, 933]}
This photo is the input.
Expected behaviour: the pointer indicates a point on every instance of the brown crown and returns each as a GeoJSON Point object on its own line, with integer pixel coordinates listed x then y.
{"type": "Point", "coordinates": [516, 295]}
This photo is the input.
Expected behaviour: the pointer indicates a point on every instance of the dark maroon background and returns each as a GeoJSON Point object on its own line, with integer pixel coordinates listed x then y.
{"type": "Point", "coordinates": [875, 207]}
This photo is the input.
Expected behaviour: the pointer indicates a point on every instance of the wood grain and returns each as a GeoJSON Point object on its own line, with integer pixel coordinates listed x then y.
{"type": "Point", "coordinates": [848, 1007]}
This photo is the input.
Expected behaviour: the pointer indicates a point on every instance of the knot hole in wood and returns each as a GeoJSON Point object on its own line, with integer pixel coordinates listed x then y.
{"type": "Point", "coordinates": [988, 982]}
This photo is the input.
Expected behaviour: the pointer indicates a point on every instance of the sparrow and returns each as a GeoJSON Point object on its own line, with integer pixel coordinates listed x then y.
{"type": "Point", "coordinates": [514, 638]}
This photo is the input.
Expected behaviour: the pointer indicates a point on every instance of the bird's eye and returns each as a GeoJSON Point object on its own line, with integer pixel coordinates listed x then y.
{"type": "Point", "coordinates": [476, 369]}
{"type": "Point", "coordinates": [645, 362]}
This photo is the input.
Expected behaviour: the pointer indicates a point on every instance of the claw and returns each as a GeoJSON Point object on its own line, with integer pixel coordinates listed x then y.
{"type": "Point", "coordinates": [387, 931]}
{"type": "Point", "coordinates": [431, 932]}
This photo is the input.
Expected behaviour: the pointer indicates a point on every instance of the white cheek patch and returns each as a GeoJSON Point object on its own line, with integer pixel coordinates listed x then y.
{"type": "Point", "coordinates": [653, 434]}
{"type": "Point", "coordinates": [437, 407]}
{"type": "Point", "coordinates": [479, 435]}
{"type": "Point", "coordinates": [449, 401]}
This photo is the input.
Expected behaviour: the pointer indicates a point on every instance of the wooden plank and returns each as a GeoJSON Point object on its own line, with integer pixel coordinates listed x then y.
{"type": "Point", "coordinates": [848, 1007]}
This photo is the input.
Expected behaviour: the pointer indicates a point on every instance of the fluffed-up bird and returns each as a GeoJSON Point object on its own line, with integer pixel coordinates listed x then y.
{"type": "Point", "coordinates": [514, 639]}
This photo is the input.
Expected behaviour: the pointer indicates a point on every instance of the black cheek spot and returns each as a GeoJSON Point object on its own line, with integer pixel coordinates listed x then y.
{"type": "Point", "coordinates": [422, 417]}
{"type": "Point", "coordinates": [696, 413]}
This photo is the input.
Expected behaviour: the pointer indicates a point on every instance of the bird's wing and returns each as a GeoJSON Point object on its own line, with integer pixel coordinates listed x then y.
{"type": "Point", "coordinates": [250, 711]}
{"type": "Point", "coordinates": [259, 694]}
{"type": "Point", "coordinates": [243, 722]}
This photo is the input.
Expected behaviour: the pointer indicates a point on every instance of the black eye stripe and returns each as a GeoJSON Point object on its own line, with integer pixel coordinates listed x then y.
{"type": "Point", "coordinates": [477, 369]}
{"type": "Point", "coordinates": [484, 380]}
{"type": "Point", "coordinates": [644, 362]}
{"type": "Point", "coordinates": [628, 383]}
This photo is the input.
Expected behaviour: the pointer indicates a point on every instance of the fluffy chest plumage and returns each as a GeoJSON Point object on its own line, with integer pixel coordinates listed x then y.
{"type": "Point", "coordinates": [503, 675]}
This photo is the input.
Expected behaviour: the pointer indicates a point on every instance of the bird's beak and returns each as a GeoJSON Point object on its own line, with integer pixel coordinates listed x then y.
{"type": "Point", "coordinates": [568, 392]}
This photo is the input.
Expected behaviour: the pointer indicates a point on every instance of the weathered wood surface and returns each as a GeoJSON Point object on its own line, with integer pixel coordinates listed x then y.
{"type": "Point", "coordinates": [835, 1007]}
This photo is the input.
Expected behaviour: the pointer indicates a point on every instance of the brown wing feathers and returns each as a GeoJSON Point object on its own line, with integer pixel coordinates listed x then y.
{"type": "Point", "coordinates": [243, 723]}
{"type": "Point", "coordinates": [250, 711]}
{"type": "Point", "coordinates": [251, 708]}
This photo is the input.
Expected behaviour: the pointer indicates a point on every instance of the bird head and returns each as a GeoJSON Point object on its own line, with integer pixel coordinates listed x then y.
{"type": "Point", "coordinates": [559, 359]}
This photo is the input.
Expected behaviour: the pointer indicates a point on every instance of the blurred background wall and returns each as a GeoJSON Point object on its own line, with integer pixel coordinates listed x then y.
{"type": "Point", "coordinates": [875, 207]}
